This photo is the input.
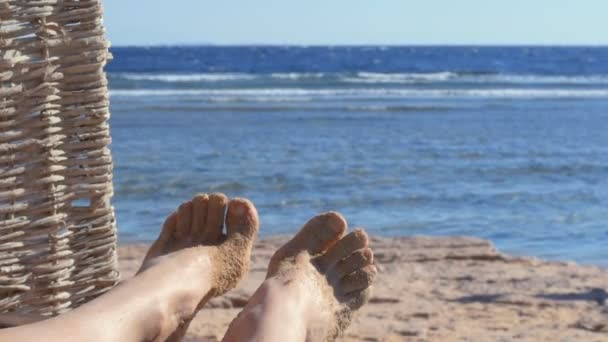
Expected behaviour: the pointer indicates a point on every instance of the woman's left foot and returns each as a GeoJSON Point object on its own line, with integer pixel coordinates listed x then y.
{"type": "Point", "coordinates": [315, 283]}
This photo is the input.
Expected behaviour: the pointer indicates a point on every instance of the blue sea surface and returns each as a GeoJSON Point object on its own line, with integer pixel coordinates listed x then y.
{"type": "Point", "coordinates": [504, 143]}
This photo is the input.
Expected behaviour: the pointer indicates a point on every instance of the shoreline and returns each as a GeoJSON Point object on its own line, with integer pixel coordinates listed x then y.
{"type": "Point", "coordinates": [126, 242]}
{"type": "Point", "coordinates": [441, 289]}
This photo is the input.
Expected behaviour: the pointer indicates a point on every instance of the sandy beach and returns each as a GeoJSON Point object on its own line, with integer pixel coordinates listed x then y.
{"type": "Point", "coordinates": [442, 289]}
{"type": "Point", "coordinates": [409, 118]}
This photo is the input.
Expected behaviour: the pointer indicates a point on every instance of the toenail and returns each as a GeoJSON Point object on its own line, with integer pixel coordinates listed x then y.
{"type": "Point", "coordinates": [360, 234]}
{"type": "Point", "coordinates": [238, 208]}
{"type": "Point", "coordinates": [201, 197]}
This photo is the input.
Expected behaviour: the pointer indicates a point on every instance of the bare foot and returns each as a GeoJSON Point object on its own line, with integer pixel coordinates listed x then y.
{"type": "Point", "coordinates": [192, 261]}
{"type": "Point", "coordinates": [193, 240]}
{"type": "Point", "coordinates": [198, 227]}
{"type": "Point", "coordinates": [315, 281]}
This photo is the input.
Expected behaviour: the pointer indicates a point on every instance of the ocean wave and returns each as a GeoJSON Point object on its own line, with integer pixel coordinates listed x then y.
{"type": "Point", "coordinates": [454, 77]}
{"type": "Point", "coordinates": [214, 77]}
{"type": "Point", "coordinates": [299, 94]}
{"type": "Point", "coordinates": [366, 78]}
{"type": "Point", "coordinates": [402, 109]}
{"type": "Point", "coordinates": [372, 77]}
{"type": "Point", "coordinates": [538, 79]}
{"type": "Point", "coordinates": [294, 107]}
{"type": "Point", "coordinates": [298, 75]}
{"type": "Point", "coordinates": [177, 78]}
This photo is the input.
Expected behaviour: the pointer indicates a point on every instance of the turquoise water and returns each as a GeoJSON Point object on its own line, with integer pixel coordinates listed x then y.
{"type": "Point", "coordinates": [507, 144]}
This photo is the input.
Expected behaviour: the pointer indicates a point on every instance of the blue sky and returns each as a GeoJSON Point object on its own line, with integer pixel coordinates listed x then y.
{"type": "Point", "coordinates": [308, 22]}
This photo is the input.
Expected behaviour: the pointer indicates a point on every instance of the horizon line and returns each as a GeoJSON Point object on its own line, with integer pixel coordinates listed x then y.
{"type": "Point", "coordinates": [541, 45]}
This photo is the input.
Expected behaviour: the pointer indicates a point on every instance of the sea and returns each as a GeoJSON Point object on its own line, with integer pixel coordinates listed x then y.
{"type": "Point", "coordinates": [508, 144]}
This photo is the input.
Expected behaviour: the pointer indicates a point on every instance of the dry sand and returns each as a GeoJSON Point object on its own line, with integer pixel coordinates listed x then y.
{"type": "Point", "coordinates": [443, 289]}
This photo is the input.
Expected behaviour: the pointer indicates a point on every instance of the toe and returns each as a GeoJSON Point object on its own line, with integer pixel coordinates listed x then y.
{"type": "Point", "coordinates": [167, 235]}
{"type": "Point", "coordinates": [319, 233]}
{"type": "Point", "coordinates": [357, 299]}
{"type": "Point", "coordinates": [169, 228]}
{"type": "Point", "coordinates": [215, 218]}
{"type": "Point", "coordinates": [358, 260]}
{"type": "Point", "coordinates": [184, 222]}
{"type": "Point", "coordinates": [242, 226]}
{"type": "Point", "coordinates": [346, 246]}
{"type": "Point", "coordinates": [200, 206]}
{"type": "Point", "coordinates": [316, 236]}
{"type": "Point", "coordinates": [241, 218]}
{"type": "Point", "coordinates": [358, 280]}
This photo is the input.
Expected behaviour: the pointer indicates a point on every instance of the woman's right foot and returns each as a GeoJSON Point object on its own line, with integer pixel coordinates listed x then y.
{"type": "Point", "coordinates": [203, 251]}
{"type": "Point", "coordinates": [314, 284]}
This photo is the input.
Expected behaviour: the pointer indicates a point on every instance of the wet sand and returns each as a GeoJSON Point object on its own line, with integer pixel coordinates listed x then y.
{"type": "Point", "coordinates": [442, 289]}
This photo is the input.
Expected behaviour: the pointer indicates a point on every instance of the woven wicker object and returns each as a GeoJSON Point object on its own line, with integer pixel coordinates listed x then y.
{"type": "Point", "coordinates": [57, 227]}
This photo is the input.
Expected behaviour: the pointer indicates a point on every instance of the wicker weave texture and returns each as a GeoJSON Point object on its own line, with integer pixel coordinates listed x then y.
{"type": "Point", "coordinates": [57, 227]}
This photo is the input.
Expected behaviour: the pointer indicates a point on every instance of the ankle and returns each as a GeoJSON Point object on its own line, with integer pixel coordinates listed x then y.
{"type": "Point", "coordinates": [275, 303]}
{"type": "Point", "coordinates": [169, 298]}
{"type": "Point", "coordinates": [296, 296]}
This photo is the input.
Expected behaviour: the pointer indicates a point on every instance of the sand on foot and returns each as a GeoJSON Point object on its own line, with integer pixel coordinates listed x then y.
{"type": "Point", "coordinates": [441, 289]}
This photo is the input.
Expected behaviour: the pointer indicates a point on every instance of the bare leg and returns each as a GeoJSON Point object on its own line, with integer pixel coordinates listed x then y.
{"type": "Point", "coordinates": [314, 284]}
{"type": "Point", "coordinates": [192, 261]}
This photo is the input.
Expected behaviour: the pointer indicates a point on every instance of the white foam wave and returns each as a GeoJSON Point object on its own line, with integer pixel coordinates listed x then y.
{"type": "Point", "coordinates": [198, 77]}
{"type": "Point", "coordinates": [536, 79]}
{"type": "Point", "coordinates": [281, 94]}
{"type": "Point", "coordinates": [297, 75]}
{"type": "Point", "coordinates": [405, 78]}
{"type": "Point", "coordinates": [216, 77]}
{"type": "Point", "coordinates": [371, 78]}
